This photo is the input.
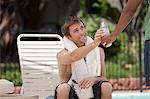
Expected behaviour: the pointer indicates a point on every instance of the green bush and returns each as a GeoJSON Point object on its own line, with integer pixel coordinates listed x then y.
{"type": "Point", "coordinates": [12, 72]}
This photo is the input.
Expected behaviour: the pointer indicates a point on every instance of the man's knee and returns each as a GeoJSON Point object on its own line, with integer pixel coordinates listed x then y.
{"type": "Point", "coordinates": [63, 89]}
{"type": "Point", "coordinates": [106, 88]}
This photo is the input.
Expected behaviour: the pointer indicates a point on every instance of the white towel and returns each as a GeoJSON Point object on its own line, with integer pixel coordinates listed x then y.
{"type": "Point", "coordinates": [6, 86]}
{"type": "Point", "coordinates": [82, 69]}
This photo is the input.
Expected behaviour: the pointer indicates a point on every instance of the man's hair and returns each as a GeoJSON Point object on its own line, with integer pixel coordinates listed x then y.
{"type": "Point", "coordinates": [68, 22]}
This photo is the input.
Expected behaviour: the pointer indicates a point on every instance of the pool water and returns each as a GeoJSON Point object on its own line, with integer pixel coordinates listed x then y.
{"type": "Point", "coordinates": [131, 95]}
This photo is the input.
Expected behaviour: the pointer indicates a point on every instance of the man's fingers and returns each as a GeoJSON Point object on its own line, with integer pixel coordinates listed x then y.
{"type": "Point", "coordinates": [84, 84]}
{"type": "Point", "coordinates": [99, 36]}
{"type": "Point", "coordinates": [105, 39]}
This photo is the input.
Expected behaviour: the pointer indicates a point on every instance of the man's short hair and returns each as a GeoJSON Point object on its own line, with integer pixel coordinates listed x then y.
{"type": "Point", "coordinates": [68, 22]}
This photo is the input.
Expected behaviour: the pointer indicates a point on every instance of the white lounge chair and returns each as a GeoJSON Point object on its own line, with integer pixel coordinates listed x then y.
{"type": "Point", "coordinates": [37, 55]}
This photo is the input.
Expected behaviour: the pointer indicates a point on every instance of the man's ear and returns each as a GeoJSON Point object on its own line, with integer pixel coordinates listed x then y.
{"type": "Point", "coordinates": [68, 36]}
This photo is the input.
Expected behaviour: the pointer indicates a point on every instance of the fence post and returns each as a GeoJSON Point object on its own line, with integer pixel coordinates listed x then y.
{"type": "Point", "coordinates": [140, 59]}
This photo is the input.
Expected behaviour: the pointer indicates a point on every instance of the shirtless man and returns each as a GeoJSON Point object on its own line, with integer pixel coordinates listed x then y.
{"type": "Point", "coordinates": [74, 30]}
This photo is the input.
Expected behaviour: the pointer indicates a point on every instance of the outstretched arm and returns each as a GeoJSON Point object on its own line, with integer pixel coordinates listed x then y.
{"type": "Point", "coordinates": [125, 18]}
{"type": "Point", "coordinates": [68, 58]}
{"type": "Point", "coordinates": [65, 59]}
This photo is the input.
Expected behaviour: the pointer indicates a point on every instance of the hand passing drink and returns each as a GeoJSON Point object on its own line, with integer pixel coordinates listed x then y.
{"type": "Point", "coordinates": [105, 29]}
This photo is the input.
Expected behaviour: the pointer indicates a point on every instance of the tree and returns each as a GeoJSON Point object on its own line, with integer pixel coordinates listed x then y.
{"type": "Point", "coordinates": [32, 15]}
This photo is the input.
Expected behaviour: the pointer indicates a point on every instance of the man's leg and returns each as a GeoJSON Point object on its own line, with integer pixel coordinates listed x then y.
{"type": "Point", "coordinates": [147, 62]}
{"type": "Point", "coordinates": [102, 90]}
{"type": "Point", "coordinates": [62, 91]}
{"type": "Point", "coordinates": [106, 90]}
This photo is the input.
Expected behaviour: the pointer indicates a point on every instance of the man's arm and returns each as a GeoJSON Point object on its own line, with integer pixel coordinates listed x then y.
{"type": "Point", "coordinates": [103, 66]}
{"type": "Point", "coordinates": [65, 59]}
{"type": "Point", "coordinates": [125, 18]}
{"type": "Point", "coordinates": [81, 52]}
{"type": "Point", "coordinates": [127, 15]}
{"type": "Point", "coordinates": [64, 69]}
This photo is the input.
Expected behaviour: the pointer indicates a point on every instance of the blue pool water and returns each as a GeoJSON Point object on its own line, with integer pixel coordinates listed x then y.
{"type": "Point", "coordinates": [131, 95]}
{"type": "Point", "coordinates": [117, 95]}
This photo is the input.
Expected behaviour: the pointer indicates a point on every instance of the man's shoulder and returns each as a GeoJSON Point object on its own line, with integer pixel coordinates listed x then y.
{"type": "Point", "coordinates": [63, 57]}
{"type": "Point", "coordinates": [62, 53]}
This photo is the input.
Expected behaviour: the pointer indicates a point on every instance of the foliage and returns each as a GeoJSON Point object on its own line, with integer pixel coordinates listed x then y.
{"type": "Point", "coordinates": [121, 63]}
{"type": "Point", "coordinates": [12, 72]}
{"type": "Point", "coordinates": [14, 76]}
{"type": "Point", "coordinates": [115, 70]}
{"type": "Point", "coordinates": [92, 24]}
{"type": "Point", "coordinates": [105, 10]}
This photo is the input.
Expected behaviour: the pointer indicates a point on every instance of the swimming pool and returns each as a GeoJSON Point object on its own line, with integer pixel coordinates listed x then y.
{"type": "Point", "coordinates": [132, 95]}
{"type": "Point", "coordinates": [127, 95]}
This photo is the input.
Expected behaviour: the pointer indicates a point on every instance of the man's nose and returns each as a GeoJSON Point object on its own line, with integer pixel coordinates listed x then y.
{"type": "Point", "coordinates": [82, 32]}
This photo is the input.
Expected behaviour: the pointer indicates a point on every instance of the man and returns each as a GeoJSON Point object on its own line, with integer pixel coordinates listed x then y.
{"type": "Point", "coordinates": [78, 64]}
{"type": "Point", "coordinates": [125, 18]}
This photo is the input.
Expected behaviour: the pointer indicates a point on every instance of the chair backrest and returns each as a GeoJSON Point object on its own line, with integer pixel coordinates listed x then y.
{"type": "Point", "coordinates": [37, 55]}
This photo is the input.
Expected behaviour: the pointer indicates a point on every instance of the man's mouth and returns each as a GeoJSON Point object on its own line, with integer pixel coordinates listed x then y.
{"type": "Point", "coordinates": [84, 39]}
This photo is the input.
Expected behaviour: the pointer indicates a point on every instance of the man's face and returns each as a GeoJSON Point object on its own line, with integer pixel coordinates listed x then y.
{"type": "Point", "coordinates": [78, 34]}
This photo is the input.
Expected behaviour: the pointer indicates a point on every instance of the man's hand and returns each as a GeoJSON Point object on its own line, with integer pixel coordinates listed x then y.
{"type": "Point", "coordinates": [108, 38]}
{"type": "Point", "coordinates": [98, 35]}
{"type": "Point", "coordinates": [87, 82]}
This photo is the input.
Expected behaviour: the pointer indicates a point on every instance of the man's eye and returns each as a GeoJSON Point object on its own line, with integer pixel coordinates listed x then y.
{"type": "Point", "coordinates": [76, 30]}
{"type": "Point", "coordinates": [82, 27]}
